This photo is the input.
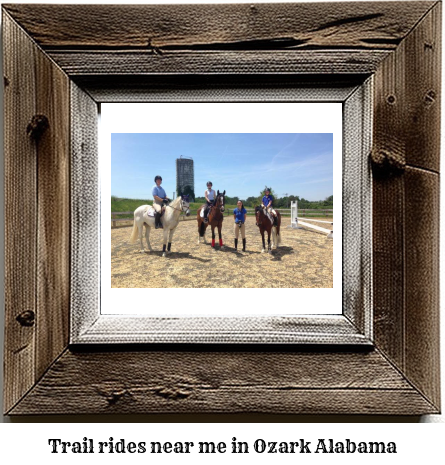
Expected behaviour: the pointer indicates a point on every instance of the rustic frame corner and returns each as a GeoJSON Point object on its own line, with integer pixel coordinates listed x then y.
{"type": "Point", "coordinates": [49, 71]}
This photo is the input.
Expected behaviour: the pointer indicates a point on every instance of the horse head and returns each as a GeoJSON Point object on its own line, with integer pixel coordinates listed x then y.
{"type": "Point", "coordinates": [185, 204]}
{"type": "Point", "coordinates": [220, 200]}
{"type": "Point", "coordinates": [259, 215]}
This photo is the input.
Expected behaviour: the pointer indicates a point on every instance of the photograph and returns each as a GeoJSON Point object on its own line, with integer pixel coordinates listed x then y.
{"type": "Point", "coordinates": [221, 197]}
{"type": "Point", "coordinates": [215, 204]}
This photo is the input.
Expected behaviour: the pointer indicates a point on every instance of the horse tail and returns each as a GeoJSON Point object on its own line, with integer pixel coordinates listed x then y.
{"type": "Point", "coordinates": [134, 234]}
{"type": "Point", "coordinates": [277, 234]}
{"type": "Point", "coordinates": [202, 229]}
{"type": "Point", "coordinates": [278, 228]}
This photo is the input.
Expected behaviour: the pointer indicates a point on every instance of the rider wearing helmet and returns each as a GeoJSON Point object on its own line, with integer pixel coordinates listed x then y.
{"type": "Point", "coordinates": [267, 204]}
{"type": "Point", "coordinates": [159, 199]}
{"type": "Point", "coordinates": [210, 199]}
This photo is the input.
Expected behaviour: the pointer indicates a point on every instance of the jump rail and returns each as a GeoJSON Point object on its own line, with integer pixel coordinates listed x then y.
{"type": "Point", "coordinates": [296, 222]}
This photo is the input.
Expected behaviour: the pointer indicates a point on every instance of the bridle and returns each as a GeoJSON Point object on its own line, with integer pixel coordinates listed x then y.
{"type": "Point", "coordinates": [258, 218]}
{"type": "Point", "coordinates": [221, 205]}
{"type": "Point", "coordinates": [187, 209]}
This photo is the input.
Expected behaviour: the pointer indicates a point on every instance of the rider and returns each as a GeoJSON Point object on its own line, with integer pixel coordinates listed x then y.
{"type": "Point", "coordinates": [240, 215]}
{"type": "Point", "coordinates": [159, 199]}
{"type": "Point", "coordinates": [210, 199]}
{"type": "Point", "coordinates": [267, 204]}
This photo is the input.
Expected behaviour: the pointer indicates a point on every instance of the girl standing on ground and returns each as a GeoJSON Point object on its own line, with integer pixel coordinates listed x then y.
{"type": "Point", "coordinates": [240, 215]}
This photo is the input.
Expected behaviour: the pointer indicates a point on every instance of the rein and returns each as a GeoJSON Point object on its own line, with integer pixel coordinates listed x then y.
{"type": "Point", "coordinates": [177, 209]}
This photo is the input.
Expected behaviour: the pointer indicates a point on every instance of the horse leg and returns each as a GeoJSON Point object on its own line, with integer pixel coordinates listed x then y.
{"type": "Point", "coordinates": [269, 250]}
{"type": "Point", "coordinates": [213, 236]}
{"type": "Point", "coordinates": [264, 243]}
{"type": "Point", "coordinates": [170, 237]}
{"type": "Point", "coordinates": [147, 238]}
{"type": "Point", "coordinates": [221, 245]}
{"type": "Point", "coordinates": [140, 229]}
{"type": "Point", "coordinates": [164, 245]}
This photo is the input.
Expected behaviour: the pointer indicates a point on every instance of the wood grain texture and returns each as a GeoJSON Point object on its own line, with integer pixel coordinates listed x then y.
{"type": "Point", "coordinates": [422, 364]}
{"type": "Point", "coordinates": [85, 211]}
{"type": "Point", "coordinates": [357, 208]}
{"type": "Point", "coordinates": [53, 222]}
{"type": "Point", "coordinates": [79, 63]}
{"type": "Point", "coordinates": [261, 26]}
{"type": "Point", "coordinates": [423, 91]}
{"type": "Point", "coordinates": [388, 201]}
{"type": "Point", "coordinates": [218, 88]}
{"type": "Point", "coordinates": [406, 237]}
{"type": "Point", "coordinates": [220, 382]}
{"type": "Point", "coordinates": [20, 213]}
{"type": "Point", "coordinates": [37, 214]}
{"type": "Point", "coordinates": [212, 330]}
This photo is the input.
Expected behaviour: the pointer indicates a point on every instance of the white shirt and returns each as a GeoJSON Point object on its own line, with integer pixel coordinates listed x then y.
{"type": "Point", "coordinates": [210, 194]}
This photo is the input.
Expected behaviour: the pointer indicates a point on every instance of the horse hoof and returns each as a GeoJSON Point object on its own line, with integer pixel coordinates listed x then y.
{"type": "Point", "coordinates": [262, 251]}
{"type": "Point", "coordinates": [164, 254]}
{"type": "Point", "coordinates": [142, 251]}
{"type": "Point", "coordinates": [222, 247]}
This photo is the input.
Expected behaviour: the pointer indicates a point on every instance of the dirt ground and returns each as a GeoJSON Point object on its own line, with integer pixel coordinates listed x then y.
{"type": "Point", "coordinates": [303, 259]}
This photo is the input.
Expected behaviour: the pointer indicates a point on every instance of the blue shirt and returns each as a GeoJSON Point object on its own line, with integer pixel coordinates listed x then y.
{"type": "Point", "coordinates": [239, 214]}
{"type": "Point", "coordinates": [159, 192]}
{"type": "Point", "coordinates": [267, 199]}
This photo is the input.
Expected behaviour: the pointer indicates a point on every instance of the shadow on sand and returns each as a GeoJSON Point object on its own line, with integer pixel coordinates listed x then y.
{"type": "Point", "coordinates": [176, 255]}
{"type": "Point", "coordinates": [277, 254]}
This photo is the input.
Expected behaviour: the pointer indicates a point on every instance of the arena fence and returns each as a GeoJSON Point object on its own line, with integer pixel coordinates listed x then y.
{"type": "Point", "coordinates": [117, 217]}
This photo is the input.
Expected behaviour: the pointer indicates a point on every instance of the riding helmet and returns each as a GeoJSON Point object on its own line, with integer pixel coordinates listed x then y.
{"type": "Point", "coordinates": [158, 177]}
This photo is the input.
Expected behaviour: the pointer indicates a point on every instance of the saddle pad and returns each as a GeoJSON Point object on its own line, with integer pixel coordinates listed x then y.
{"type": "Point", "coordinates": [151, 211]}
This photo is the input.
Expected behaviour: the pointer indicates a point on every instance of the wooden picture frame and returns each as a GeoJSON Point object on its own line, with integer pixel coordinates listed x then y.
{"type": "Point", "coordinates": [57, 70]}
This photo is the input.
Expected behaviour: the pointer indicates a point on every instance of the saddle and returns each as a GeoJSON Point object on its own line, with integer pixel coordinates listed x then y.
{"type": "Point", "coordinates": [269, 216]}
{"type": "Point", "coordinates": [205, 207]}
{"type": "Point", "coordinates": [152, 212]}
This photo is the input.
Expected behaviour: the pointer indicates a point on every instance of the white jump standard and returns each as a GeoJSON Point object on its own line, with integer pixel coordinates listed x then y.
{"type": "Point", "coordinates": [296, 222]}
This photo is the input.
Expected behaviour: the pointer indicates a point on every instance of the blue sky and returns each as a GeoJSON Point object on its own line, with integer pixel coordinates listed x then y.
{"type": "Point", "coordinates": [241, 164]}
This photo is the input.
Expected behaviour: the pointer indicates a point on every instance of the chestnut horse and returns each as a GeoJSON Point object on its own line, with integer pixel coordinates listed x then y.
{"type": "Point", "coordinates": [264, 223]}
{"type": "Point", "coordinates": [215, 219]}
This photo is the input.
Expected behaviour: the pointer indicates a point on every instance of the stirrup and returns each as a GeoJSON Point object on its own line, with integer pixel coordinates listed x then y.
{"type": "Point", "coordinates": [206, 220]}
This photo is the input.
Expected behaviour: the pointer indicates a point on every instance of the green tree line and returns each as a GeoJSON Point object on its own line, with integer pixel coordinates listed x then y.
{"type": "Point", "coordinates": [280, 202]}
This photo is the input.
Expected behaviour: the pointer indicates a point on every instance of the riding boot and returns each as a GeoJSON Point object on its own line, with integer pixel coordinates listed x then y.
{"type": "Point", "coordinates": [236, 244]}
{"type": "Point", "coordinates": [244, 245]}
{"type": "Point", "coordinates": [158, 221]}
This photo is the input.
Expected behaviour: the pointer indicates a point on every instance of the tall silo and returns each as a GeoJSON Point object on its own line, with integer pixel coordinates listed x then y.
{"type": "Point", "coordinates": [185, 175]}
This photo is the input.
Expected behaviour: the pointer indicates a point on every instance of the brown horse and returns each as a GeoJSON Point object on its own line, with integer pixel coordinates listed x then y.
{"type": "Point", "coordinates": [264, 223]}
{"type": "Point", "coordinates": [215, 219]}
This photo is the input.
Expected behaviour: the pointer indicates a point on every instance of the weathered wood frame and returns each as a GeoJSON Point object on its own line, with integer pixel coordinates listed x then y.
{"type": "Point", "coordinates": [90, 323]}
{"type": "Point", "coordinates": [78, 56]}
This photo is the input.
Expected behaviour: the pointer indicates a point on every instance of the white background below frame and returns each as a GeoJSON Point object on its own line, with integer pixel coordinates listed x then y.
{"type": "Point", "coordinates": [226, 118]}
